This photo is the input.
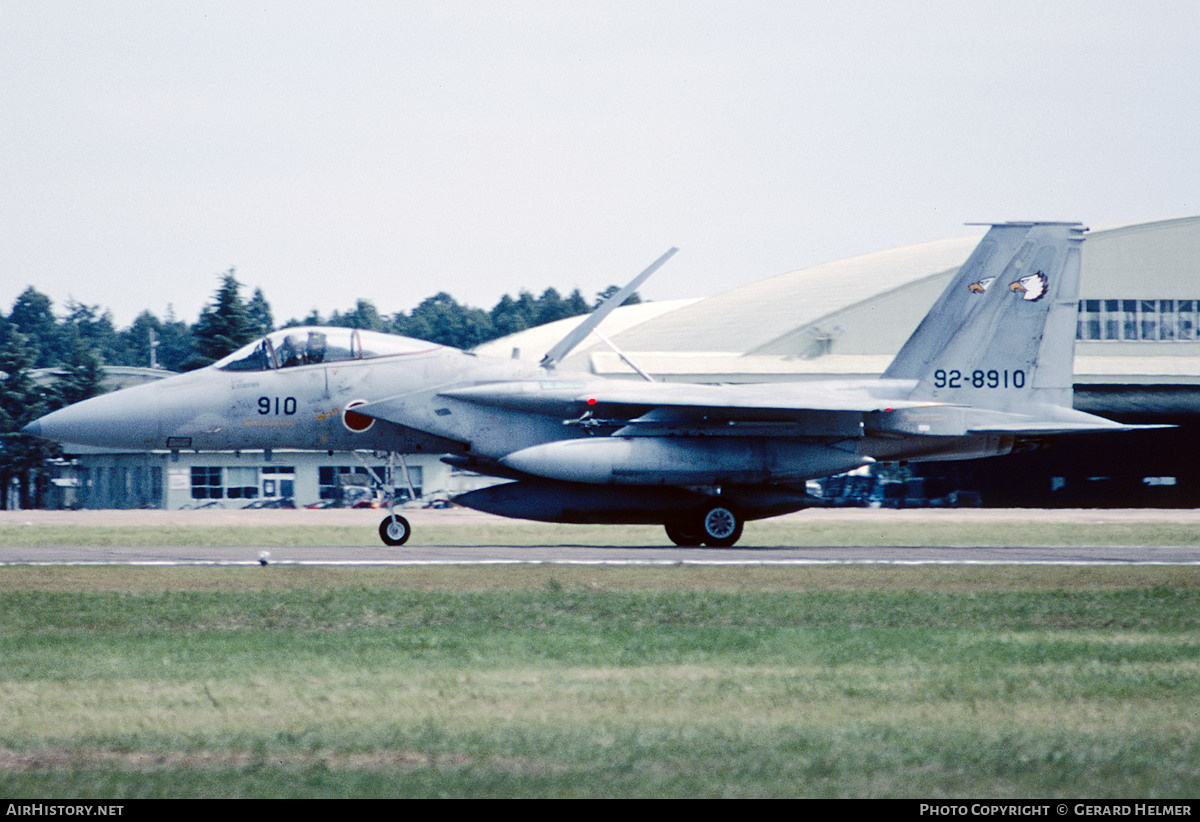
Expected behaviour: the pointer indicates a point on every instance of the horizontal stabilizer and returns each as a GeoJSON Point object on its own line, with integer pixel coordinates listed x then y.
{"type": "Point", "coordinates": [1046, 429]}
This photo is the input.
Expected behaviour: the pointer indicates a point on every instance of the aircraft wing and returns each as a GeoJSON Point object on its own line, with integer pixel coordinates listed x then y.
{"type": "Point", "coordinates": [714, 401]}
{"type": "Point", "coordinates": [813, 409]}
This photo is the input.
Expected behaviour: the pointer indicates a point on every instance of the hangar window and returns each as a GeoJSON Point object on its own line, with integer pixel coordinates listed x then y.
{"type": "Point", "coordinates": [1138, 320]}
{"type": "Point", "coordinates": [1187, 319]}
{"type": "Point", "coordinates": [206, 482]}
{"type": "Point", "coordinates": [241, 482]}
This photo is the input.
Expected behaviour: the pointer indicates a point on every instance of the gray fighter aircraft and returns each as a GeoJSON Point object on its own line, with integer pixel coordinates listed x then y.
{"type": "Point", "coordinates": [988, 367]}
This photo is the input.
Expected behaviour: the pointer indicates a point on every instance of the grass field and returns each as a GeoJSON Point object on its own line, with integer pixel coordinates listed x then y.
{"type": "Point", "coordinates": [616, 682]}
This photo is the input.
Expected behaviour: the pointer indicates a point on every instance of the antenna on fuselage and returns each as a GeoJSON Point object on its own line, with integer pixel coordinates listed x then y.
{"type": "Point", "coordinates": [624, 357]}
{"type": "Point", "coordinates": [556, 354]}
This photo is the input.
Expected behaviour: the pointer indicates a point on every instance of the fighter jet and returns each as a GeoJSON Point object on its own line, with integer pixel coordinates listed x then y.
{"type": "Point", "coordinates": [988, 368]}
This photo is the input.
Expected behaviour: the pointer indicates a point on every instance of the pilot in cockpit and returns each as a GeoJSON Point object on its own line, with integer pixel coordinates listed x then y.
{"type": "Point", "coordinates": [314, 352]}
{"type": "Point", "coordinates": [289, 351]}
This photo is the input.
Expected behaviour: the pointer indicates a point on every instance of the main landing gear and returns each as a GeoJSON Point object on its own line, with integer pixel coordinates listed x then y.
{"type": "Point", "coordinates": [717, 525]}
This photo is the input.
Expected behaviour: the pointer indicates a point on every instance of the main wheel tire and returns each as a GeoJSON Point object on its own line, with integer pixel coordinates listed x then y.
{"type": "Point", "coordinates": [684, 534]}
{"type": "Point", "coordinates": [720, 525]}
{"type": "Point", "coordinates": [394, 530]}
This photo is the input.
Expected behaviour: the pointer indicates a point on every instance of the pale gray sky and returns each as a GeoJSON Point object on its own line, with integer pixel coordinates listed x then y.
{"type": "Point", "coordinates": [389, 150]}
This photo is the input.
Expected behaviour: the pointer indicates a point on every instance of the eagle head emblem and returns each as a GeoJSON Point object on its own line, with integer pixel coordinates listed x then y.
{"type": "Point", "coordinates": [981, 286]}
{"type": "Point", "coordinates": [1030, 288]}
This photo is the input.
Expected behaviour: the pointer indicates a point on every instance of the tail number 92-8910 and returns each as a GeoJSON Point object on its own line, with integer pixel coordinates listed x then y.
{"type": "Point", "coordinates": [979, 379]}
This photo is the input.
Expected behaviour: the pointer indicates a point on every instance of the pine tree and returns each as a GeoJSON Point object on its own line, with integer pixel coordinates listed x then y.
{"type": "Point", "coordinates": [443, 320]}
{"type": "Point", "coordinates": [33, 316]}
{"type": "Point", "coordinates": [224, 326]}
{"type": "Point", "coordinates": [93, 327]}
{"type": "Point", "coordinates": [175, 342]}
{"type": "Point", "coordinates": [80, 376]}
{"type": "Point", "coordinates": [259, 312]}
{"type": "Point", "coordinates": [365, 316]}
{"type": "Point", "coordinates": [575, 304]}
{"type": "Point", "coordinates": [21, 402]}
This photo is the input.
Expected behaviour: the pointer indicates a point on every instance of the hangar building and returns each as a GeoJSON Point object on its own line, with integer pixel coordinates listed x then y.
{"type": "Point", "coordinates": [1137, 356]}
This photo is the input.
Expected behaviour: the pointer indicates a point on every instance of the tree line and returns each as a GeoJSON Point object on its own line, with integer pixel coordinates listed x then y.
{"type": "Point", "coordinates": [76, 346]}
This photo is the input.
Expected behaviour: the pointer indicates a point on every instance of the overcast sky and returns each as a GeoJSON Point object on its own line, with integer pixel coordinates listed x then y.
{"type": "Point", "coordinates": [391, 150]}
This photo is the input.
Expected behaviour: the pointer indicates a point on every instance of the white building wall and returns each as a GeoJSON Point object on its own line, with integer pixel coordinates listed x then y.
{"type": "Point", "coordinates": [228, 479]}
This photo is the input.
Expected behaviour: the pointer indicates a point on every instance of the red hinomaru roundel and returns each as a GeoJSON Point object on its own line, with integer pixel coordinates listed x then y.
{"type": "Point", "coordinates": [358, 423]}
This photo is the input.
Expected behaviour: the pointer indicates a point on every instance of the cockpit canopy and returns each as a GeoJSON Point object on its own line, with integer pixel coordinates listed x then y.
{"type": "Point", "coordinates": [291, 347]}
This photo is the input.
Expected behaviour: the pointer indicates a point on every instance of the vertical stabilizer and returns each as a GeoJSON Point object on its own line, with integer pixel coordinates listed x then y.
{"type": "Point", "coordinates": [1002, 335]}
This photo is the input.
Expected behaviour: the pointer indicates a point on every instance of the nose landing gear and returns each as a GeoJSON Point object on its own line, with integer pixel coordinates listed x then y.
{"type": "Point", "coordinates": [394, 530]}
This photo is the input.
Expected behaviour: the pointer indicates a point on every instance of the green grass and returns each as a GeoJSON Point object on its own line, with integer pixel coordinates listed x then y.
{"type": "Point", "coordinates": [535, 681]}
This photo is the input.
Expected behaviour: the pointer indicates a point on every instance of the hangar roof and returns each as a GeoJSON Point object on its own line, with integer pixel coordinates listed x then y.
{"type": "Point", "coordinates": [850, 316]}
{"type": "Point", "coordinates": [751, 317]}
{"type": "Point", "coordinates": [747, 318]}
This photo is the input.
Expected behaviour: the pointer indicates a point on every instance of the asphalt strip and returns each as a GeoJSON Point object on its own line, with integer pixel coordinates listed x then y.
{"type": "Point", "coordinates": [363, 563]}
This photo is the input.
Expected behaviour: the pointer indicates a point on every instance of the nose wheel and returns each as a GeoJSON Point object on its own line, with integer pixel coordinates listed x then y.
{"type": "Point", "coordinates": [394, 530]}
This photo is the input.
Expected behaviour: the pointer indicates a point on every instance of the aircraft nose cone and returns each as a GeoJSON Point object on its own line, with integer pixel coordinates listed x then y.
{"type": "Point", "coordinates": [57, 424]}
{"type": "Point", "coordinates": [124, 419]}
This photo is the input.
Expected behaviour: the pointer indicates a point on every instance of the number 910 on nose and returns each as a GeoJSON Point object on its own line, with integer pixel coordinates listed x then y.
{"type": "Point", "coordinates": [277, 405]}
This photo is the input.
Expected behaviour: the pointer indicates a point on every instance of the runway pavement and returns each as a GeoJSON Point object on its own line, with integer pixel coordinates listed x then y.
{"type": "Point", "coordinates": [372, 553]}
{"type": "Point", "coordinates": [599, 555]}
